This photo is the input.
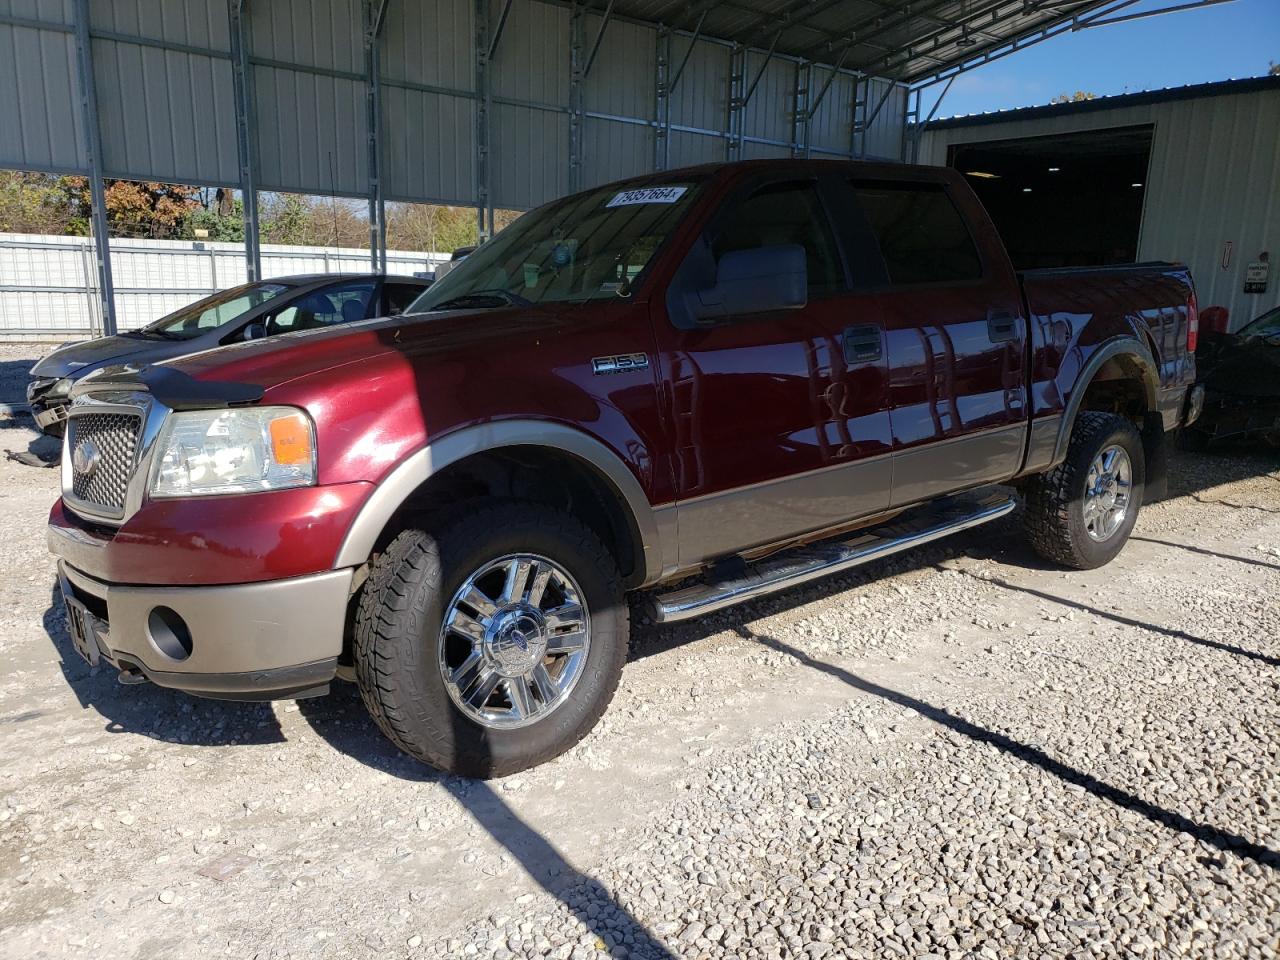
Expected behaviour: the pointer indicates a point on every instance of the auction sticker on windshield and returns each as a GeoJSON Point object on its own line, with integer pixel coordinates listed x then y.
{"type": "Point", "coordinates": [647, 195]}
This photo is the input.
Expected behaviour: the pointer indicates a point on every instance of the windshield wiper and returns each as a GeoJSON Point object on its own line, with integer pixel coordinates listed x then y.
{"type": "Point", "coordinates": [496, 297]}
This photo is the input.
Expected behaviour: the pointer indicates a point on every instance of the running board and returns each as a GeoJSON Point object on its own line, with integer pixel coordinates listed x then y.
{"type": "Point", "coordinates": [793, 567]}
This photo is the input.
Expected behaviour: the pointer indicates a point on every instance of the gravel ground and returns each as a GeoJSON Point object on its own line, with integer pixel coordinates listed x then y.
{"type": "Point", "coordinates": [958, 753]}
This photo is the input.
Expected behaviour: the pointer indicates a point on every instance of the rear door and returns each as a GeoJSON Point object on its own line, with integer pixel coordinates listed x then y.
{"type": "Point", "coordinates": [955, 334]}
{"type": "Point", "coordinates": [777, 432]}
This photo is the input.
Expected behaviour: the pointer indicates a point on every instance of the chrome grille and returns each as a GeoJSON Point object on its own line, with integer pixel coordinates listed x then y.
{"type": "Point", "coordinates": [102, 447]}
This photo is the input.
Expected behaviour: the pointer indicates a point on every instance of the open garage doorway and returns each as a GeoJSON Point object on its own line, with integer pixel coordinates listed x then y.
{"type": "Point", "coordinates": [1065, 200]}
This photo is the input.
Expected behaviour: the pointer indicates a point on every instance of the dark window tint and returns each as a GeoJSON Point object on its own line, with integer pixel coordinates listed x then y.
{"type": "Point", "coordinates": [398, 297]}
{"type": "Point", "coordinates": [783, 213]}
{"type": "Point", "coordinates": [922, 236]}
{"type": "Point", "coordinates": [341, 303]}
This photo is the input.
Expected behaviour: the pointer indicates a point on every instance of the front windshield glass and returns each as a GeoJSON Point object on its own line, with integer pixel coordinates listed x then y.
{"type": "Point", "coordinates": [1267, 325]}
{"type": "Point", "coordinates": [213, 312]}
{"type": "Point", "coordinates": [590, 246]}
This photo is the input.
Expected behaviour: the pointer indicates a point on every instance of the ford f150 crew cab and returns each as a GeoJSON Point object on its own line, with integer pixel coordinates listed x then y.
{"type": "Point", "coordinates": [705, 384]}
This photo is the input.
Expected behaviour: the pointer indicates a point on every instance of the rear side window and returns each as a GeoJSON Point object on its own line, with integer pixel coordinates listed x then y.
{"type": "Point", "coordinates": [921, 234]}
{"type": "Point", "coordinates": [783, 213]}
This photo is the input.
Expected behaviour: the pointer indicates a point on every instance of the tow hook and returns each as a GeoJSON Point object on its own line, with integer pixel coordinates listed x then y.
{"type": "Point", "coordinates": [130, 676]}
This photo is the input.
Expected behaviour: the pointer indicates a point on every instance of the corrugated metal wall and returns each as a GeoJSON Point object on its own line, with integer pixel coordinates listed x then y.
{"type": "Point", "coordinates": [163, 73]}
{"type": "Point", "coordinates": [1213, 176]}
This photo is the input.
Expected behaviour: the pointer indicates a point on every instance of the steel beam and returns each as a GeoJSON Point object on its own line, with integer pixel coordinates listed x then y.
{"type": "Point", "coordinates": [246, 135]}
{"type": "Point", "coordinates": [93, 155]}
{"type": "Point", "coordinates": [1142, 15]}
{"type": "Point", "coordinates": [595, 44]}
{"type": "Point", "coordinates": [684, 61]}
{"type": "Point", "coordinates": [834, 71]}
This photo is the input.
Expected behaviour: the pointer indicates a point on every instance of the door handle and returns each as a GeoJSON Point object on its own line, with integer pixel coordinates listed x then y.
{"type": "Point", "coordinates": [1002, 326]}
{"type": "Point", "coordinates": [862, 344]}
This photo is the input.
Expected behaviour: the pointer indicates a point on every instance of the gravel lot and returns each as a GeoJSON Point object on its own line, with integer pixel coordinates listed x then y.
{"type": "Point", "coordinates": [959, 753]}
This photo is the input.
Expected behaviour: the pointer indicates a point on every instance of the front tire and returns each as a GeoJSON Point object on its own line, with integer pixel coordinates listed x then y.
{"type": "Point", "coordinates": [494, 643]}
{"type": "Point", "coordinates": [1081, 512]}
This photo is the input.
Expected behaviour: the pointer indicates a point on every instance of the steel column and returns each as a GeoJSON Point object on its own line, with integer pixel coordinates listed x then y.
{"type": "Point", "coordinates": [374, 16]}
{"type": "Point", "coordinates": [246, 148]}
{"type": "Point", "coordinates": [662, 99]}
{"type": "Point", "coordinates": [93, 154]}
{"type": "Point", "coordinates": [576, 73]}
{"type": "Point", "coordinates": [800, 109]}
{"type": "Point", "coordinates": [485, 47]}
{"type": "Point", "coordinates": [734, 122]}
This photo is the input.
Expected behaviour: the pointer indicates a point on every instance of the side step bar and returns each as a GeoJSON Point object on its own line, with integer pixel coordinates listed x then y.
{"type": "Point", "coordinates": [793, 567]}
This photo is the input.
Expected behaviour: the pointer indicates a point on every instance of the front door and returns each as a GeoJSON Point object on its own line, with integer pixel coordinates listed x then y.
{"type": "Point", "coordinates": [779, 419]}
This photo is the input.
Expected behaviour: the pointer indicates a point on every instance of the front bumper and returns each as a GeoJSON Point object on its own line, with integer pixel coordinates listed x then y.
{"type": "Point", "coordinates": [48, 405]}
{"type": "Point", "coordinates": [256, 641]}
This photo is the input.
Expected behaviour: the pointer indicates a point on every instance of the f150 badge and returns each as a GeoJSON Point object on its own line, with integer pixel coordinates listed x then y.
{"type": "Point", "coordinates": [622, 363]}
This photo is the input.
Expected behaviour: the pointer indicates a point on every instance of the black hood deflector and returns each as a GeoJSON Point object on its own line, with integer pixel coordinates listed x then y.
{"type": "Point", "coordinates": [175, 389]}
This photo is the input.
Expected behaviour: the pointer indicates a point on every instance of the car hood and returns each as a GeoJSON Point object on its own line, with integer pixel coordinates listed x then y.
{"type": "Point", "coordinates": [1246, 367]}
{"type": "Point", "coordinates": [77, 359]}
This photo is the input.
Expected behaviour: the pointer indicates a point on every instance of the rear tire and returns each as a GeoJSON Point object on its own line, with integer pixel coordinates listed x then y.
{"type": "Point", "coordinates": [410, 671]}
{"type": "Point", "coordinates": [1074, 513]}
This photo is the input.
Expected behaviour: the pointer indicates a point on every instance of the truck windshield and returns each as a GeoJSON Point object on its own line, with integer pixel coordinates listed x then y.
{"type": "Point", "coordinates": [1267, 325]}
{"type": "Point", "coordinates": [586, 247]}
{"type": "Point", "coordinates": [212, 312]}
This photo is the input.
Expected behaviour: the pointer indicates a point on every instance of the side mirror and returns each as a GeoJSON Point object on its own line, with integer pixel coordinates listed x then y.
{"type": "Point", "coordinates": [254, 331]}
{"type": "Point", "coordinates": [758, 280]}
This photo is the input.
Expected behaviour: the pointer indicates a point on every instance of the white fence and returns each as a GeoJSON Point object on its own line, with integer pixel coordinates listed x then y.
{"type": "Point", "coordinates": [48, 284]}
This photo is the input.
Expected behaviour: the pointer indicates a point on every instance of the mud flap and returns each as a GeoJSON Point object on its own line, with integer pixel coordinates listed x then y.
{"type": "Point", "coordinates": [1155, 451]}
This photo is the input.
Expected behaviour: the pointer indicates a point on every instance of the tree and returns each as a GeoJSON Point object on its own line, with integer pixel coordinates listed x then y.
{"type": "Point", "coordinates": [1273, 68]}
{"type": "Point", "coordinates": [1077, 97]}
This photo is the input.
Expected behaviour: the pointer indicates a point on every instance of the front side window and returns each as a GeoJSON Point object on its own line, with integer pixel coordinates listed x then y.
{"type": "Point", "coordinates": [591, 246]}
{"type": "Point", "coordinates": [212, 312]}
{"type": "Point", "coordinates": [921, 234]}
{"type": "Point", "coordinates": [784, 213]}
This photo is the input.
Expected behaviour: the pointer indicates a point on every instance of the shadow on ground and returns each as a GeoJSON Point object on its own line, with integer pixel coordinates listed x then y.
{"type": "Point", "coordinates": [1223, 840]}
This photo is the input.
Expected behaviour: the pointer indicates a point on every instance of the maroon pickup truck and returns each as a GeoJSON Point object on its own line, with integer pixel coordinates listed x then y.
{"type": "Point", "coordinates": [707, 384]}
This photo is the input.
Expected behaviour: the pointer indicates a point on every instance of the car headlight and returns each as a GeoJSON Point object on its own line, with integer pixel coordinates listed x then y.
{"type": "Point", "coordinates": [234, 451]}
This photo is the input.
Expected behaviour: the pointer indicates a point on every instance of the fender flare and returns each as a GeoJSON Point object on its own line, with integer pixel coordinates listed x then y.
{"type": "Point", "coordinates": [429, 460]}
{"type": "Point", "coordinates": [1129, 347]}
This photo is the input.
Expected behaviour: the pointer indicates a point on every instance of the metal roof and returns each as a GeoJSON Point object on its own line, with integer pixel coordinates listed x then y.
{"type": "Point", "coordinates": [901, 39]}
{"type": "Point", "coordinates": [1194, 91]}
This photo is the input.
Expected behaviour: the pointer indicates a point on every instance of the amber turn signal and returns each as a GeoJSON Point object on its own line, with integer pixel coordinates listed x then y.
{"type": "Point", "coordinates": [290, 440]}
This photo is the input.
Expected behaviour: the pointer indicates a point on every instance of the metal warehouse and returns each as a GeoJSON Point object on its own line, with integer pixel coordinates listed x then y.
{"type": "Point", "coordinates": [485, 103]}
{"type": "Point", "coordinates": [1185, 174]}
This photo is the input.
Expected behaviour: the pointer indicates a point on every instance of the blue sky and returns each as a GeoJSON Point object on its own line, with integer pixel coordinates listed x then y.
{"type": "Point", "coordinates": [1234, 39]}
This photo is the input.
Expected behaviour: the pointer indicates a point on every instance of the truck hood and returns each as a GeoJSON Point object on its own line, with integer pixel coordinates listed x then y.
{"type": "Point", "coordinates": [79, 358]}
{"type": "Point", "coordinates": [277, 360]}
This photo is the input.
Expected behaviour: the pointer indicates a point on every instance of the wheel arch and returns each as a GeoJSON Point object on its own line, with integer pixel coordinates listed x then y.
{"type": "Point", "coordinates": [433, 459]}
{"type": "Point", "coordinates": [1127, 354]}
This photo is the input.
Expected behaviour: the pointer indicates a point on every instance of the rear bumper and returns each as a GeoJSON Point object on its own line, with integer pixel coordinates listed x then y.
{"type": "Point", "coordinates": [254, 641]}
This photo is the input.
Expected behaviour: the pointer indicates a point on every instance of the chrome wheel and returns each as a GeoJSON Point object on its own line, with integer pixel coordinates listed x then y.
{"type": "Point", "coordinates": [1107, 493]}
{"type": "Point", "coordinates": [514, 641]}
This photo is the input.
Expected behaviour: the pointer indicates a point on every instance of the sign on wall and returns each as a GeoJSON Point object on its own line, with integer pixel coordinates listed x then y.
{"type": "Point", "coordinates": [1255, 275]}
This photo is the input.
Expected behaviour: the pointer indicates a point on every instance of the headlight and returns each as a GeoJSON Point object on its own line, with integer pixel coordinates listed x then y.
{"type": "Point", "coordinates": [234, 451]}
